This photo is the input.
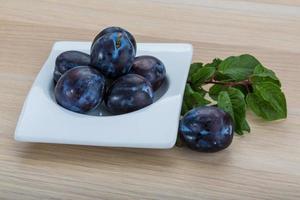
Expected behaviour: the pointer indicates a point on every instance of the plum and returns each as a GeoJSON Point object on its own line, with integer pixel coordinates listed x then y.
{"type": "Point", "coordinates": [206, 129]}
{"type": "Point", "coordinates": [113, 54]}
{"type": "Point", "coordinates": [129, 93]}
{"type": "Point", "coordinates": [68, 60]}
{"type": "Point", "coordinates": [150, 68]}
{"type": "Point", "coordinates": [80, 89]}
{"type": "Point", "coordinates": [115, 29]}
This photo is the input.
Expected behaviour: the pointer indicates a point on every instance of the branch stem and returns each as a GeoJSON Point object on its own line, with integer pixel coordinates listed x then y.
{"type": "Point", "coordinates": [230, 84]}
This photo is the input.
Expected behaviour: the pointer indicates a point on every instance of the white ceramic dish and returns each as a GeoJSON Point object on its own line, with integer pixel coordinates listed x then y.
{"type": "Point", "coordinates": [42, 120]}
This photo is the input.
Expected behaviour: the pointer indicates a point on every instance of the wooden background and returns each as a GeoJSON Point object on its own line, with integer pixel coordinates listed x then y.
{"type": "Point", "coordinates": [264, 164]}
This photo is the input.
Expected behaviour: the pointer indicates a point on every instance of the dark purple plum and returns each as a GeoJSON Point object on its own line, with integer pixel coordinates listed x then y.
{"type": "Point", "coordinates": [116, 29]}
{"type": "Point", "coordinates": [113, 54]}
{"type": "Point", "coordinates": [68, 60]}
{"type": "Point", "coordinates": [206, 129]}
{"type": "Point", "coordinates": [150, 68]}
{"type": "Point", "coordinates": [129, 93]}
{"type": "Point", "coordinates": [80, 89]}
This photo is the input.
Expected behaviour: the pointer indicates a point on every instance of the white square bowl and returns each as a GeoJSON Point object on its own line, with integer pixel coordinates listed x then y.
{"type": "Point", "coordinates": [155, 126]}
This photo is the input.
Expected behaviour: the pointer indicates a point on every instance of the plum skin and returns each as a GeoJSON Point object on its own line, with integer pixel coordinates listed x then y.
{"type": "Point", "coordinates": [129, 93]}
{"type": "Point", "coordinates": [113, 54]}
{"type": "Point", "coordinates": [150, 68]}
{"type": "Point", "coordinates": [206, 129]}
{"type": "Point", "coordinates": [68, 60]}
{"type": "Point", "coordinates": [115, 29]}
{"type": "Point", "coordinates": [80, 89]}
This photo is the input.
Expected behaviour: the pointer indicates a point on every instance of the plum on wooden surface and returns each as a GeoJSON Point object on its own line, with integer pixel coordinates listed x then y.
{"type": "Point", "coordinates": [207, 129]}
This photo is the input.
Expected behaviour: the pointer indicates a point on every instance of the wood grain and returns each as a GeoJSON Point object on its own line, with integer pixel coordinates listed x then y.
{"type": "Point", "coordinates": [264, 164]}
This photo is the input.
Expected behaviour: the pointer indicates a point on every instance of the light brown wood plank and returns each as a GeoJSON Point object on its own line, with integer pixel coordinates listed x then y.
{"type": "Point", "coordinates": [264, 164]}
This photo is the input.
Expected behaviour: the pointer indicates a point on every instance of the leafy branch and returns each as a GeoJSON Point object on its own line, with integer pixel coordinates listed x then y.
{"type": "Point", "coordinates": [238, 82]}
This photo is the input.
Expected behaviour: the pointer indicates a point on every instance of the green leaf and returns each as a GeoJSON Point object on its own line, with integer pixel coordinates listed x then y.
{"type": "Point", "coordinates": [193, 68]}
{"type": "Point", "coordinates": [242, 88]}
{"type": "Point", "coordinates": [224, 102]}
{"type": "Point", "coordinates": [188, 89]}
{"type": "Point", "coordinates": [233, 102]}
{"type": "Point", "coordinates": [192, 99]}
{"type": "Point", "coordinates": [261, 107]}
{"type": "Point", "coordinates": [184, 108]}
{"type": "Point", "coordinates": [245, 126]}
{"type": "Point", "coordinates": [214, 63]}
{"type": "Point", "coordinates": [200, 90]}
{"type": "Point", "coordinates": [199, 100]}
{"type": "Point", "coordinates": [267, 101]}
{"type": "Point", "coordinates": [262, 74]}
{"type": "Point", "coordinates": [221, 77]}
{"type": "Point", "coordinates": [215, 90]}
{"type": "Point", "coordinates": [187, 96]}
{"type": "Point", "coordinates": [238, 67]}
{"type": "Point", "coordinates": [272, 93]}
{"type": "Point", "coordinates": [201, 75]}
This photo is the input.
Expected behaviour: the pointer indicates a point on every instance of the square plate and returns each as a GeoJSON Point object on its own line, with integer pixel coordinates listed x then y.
{"type": "Point", "coordinates": [155, 126]}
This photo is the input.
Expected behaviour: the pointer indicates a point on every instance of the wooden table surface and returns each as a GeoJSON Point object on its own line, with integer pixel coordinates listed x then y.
{"type": "Point", "coordinates": [264, 164]}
